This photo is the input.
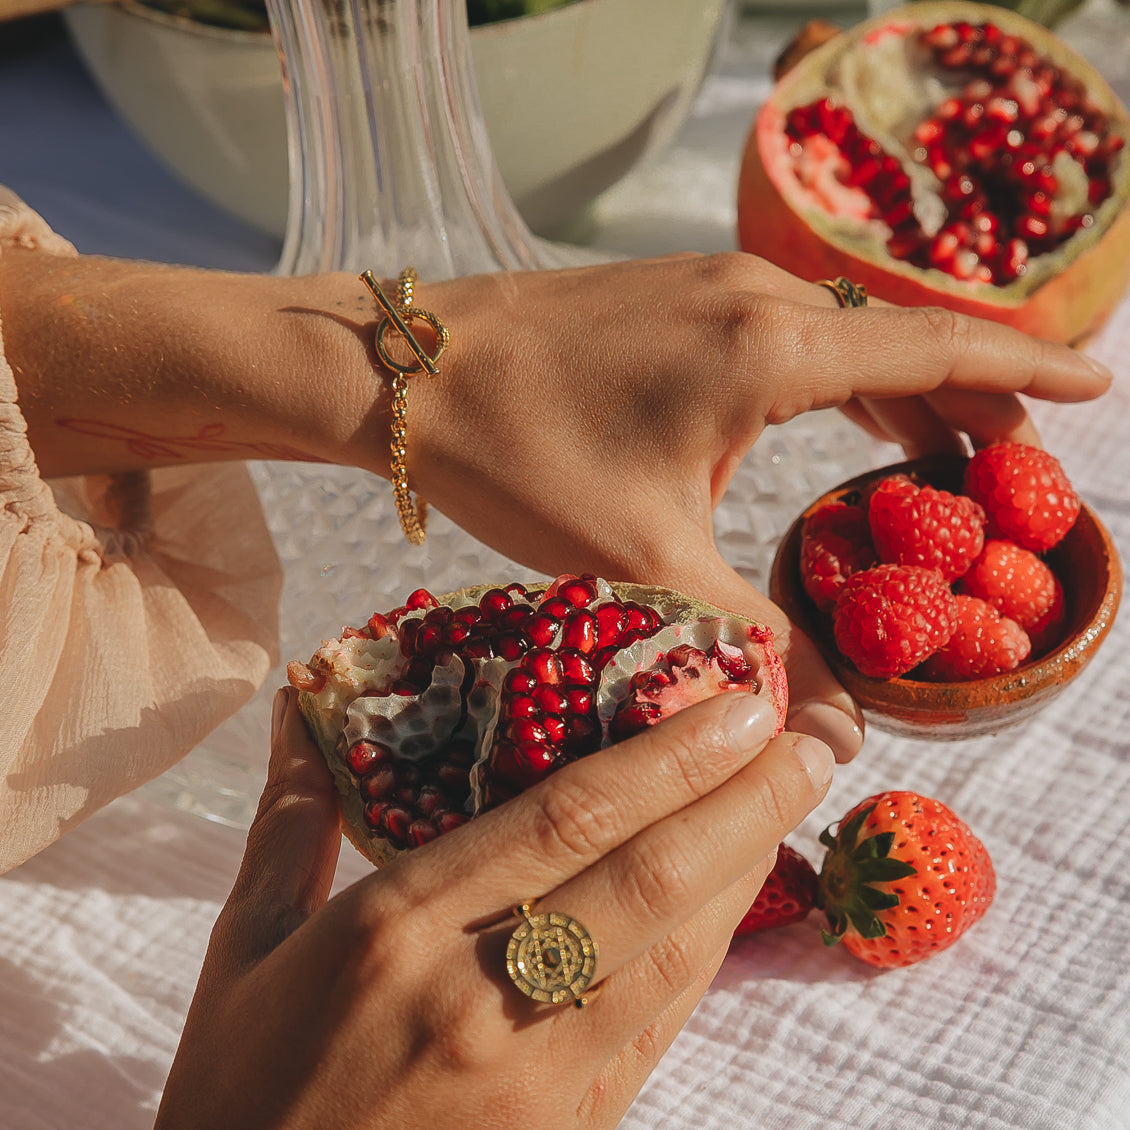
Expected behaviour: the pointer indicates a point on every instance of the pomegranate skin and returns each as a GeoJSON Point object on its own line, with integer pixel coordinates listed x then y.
{"type": "Point", "coordinates": [1068, 291]}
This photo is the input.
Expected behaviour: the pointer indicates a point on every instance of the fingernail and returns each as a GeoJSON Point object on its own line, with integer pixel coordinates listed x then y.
{"type": "Point", "coordinates": [1098, 367]}
{"type": "Point", "coordinates": [278, 710]}
{"type": "Point", "coordinates": [831, 725]}
{"type": "Point", "coordinates": [749, 720]}
{"type": "Point", "coordinates": [817, 759]}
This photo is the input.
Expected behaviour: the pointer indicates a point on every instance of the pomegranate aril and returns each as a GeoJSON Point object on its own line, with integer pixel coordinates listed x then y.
{"type": "Point", "coordinates": [522, 706]}
{"type": "Point", "coordinates": [542, 629]}
{"type": "Point", "coordinates": [449, 821]}
{"type": "Point", "coordinates": [965, 264]}
{"type": "Point", "coordinates": [378, 626]}
{"type": "Point", "coordinates": [428, 799]}
{"type": "Point", "coordinates": [520, 680]}
{"type": "Point", "coordinates": [408, 630]}
{"type": "Point", "coordinates": [494, 601]}
{"type": "Point", "coordinates": [928, 131]}
{"type": "Point", "coordinates": [515, 616]}
{"type": "Point", "coordinates": [551, 700]}
{"type": "Point", "coordinates": [418, 672]}
{"type": "Point", "coordinates": [456, 633]}
{"type": "Point", "coordinates": [430, 638]}
{"type": "Point", "coordinates": [363, 756]}
{"type": "Point", "coordinates": [510, 645]}
{"type": "Point", "coordinates": [579, 631]}
{"type": "Point", "coordinates": [527, 730]}
{"type": "Point", "coordinates": [574, 667]}
{"type": "Point", "coordinates": [579, 700]}
{"type": "Point", "coordinates": [421, 598]}
{"type": "Point", "coordinates": [543, 665]}
{"type": "Point", "coordinates": [1032, 227]}
{"type": "Point", "coordinates": [379, 783]}
{"type": "Point", "coordinates": [523, 765]}
{"type": "Point", "coordinates": [453, 779]}
{"type": "Point", "coordinates": [1002, 109]}
{"type": "Point", "coordinates": [556, 729]}
{"type": "Point", "coordinates": [581, 731]}
{"type": "Point", "coordinates": [1098, 190]}
{"type": "Point", "coordinates": [579, 592]}
{"type": "Point", "coordinates": [941, 37]}
{"type": "Point", "coordinates": [732, 662]}
{"type": "Point", "coordinates": [394, 821]}
{"type": "Point", "coordinates": [635, 718]}
{"type": "Point", "coordinates": [611, 623]}
{"type": "Point", "coordinates": [421, 832]}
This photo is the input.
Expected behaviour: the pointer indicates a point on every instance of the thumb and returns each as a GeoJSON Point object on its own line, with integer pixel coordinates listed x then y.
{"type": "Point", "coordinates": [292, 846]}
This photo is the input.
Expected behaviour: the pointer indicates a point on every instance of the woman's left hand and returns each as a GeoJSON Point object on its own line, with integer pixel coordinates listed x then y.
{"type": "Point", "coordinates": [389, 1007]}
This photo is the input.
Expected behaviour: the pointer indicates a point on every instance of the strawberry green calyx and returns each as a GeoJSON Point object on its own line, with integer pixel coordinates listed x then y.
{"type": "Point", "coordinates": [848, 893]}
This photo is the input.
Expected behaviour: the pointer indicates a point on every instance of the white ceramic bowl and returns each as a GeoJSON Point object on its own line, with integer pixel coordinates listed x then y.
{"type": "Point", "coordinates": [572, 98]}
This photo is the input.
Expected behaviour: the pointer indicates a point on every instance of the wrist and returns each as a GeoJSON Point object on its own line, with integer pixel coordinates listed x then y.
{"type": "Point", "coordinates": [122, 365]}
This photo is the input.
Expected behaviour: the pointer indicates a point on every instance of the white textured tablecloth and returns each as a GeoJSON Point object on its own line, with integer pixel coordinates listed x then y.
{"type": "Point", "coordinates": [1025, 1025]}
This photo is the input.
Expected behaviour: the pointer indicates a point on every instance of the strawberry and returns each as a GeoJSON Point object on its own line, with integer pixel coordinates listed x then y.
{"type": "Point", "coordinates": [835, 543]}
{"type": "Point", "coordinates": [787, 895]}
{"type": "Point", "coordinates": [984, 643]}
{"type": "Point", "coordinates": [902, 879]}
{"type": "Point", "coordinates": [890, 618]}
{"type": "Point", "coordinates": [1019, 585]}
{"type": "Point", "coordinates": [919, 525]}
{"type": "Point", "coordinates": [1025, 493]}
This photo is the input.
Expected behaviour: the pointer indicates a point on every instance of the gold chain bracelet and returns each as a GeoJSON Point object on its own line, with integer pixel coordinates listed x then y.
{"type": "Point", "coordinates": [398, 317]}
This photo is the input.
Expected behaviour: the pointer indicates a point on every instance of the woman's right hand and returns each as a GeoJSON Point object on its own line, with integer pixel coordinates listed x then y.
{"type": "Point", "coordinates": [582, 421]}
{"type": "Point", "coordinates": [389, 1005]}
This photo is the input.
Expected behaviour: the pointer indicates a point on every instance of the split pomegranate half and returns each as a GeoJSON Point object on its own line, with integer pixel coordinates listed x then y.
{"type": "Point", "coordinates": [947, 154]}
{"type": "Point", "coordinates": [447, 706]}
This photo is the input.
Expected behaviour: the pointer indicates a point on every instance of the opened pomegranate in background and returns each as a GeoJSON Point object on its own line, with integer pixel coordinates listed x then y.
{"type": "Point", "coordinates": [947, 154]}
{"type": "Point", "coordinates": [449, 705]}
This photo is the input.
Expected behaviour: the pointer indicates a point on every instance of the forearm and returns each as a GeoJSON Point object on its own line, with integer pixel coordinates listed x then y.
{"type": "Point", "coordinates": [123, 365]}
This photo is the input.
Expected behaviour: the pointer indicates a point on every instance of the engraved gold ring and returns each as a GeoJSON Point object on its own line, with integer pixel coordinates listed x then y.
{"type": "Point", "coordinates": [848, 294]}
{"type": "Point", "coordinates": [551, 957]}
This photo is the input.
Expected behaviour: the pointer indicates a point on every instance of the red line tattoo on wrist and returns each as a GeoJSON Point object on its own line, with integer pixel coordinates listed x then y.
{"type": "Point", "coordinates": [210, 438]}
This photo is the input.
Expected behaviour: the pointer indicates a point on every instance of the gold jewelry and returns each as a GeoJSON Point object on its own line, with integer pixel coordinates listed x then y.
{"type": "Point", "coordinates": [398, 317]}
{"type": "Point", "coordinates": [551, 957]}
{"type": "Point", "coordinates": [847, 293]}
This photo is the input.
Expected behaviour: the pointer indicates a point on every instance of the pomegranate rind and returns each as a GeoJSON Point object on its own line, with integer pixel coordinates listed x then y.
{"type": "Point", "coordinates": [353, 674]}
{"type": "Point", "coordinates": [1066, 294]}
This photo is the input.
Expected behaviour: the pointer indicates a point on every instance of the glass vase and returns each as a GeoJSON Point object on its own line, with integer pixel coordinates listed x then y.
{"type": "Point", "coordinates": [390, 160]}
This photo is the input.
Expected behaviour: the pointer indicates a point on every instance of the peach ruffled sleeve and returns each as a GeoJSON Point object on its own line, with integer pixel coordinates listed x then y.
{"type": "Point", "coordinates": [136, 613]}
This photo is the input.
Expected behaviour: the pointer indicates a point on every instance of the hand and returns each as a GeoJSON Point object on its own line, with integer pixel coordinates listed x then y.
{"type": "Point", "coordinates": [592, 419]}
{"type": "Point", "coordinates": [389, 1005]}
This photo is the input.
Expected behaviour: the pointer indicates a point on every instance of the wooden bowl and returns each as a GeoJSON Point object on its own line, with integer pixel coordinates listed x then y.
{"type": "Point", "coordinates": [1088, 567]}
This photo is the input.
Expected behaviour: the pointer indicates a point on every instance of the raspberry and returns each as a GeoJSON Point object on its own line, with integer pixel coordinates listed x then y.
{"type": "Point", "coordinates": [913, 525]}
{"type": "Point", "coordinates": [1018, 585]}
{"type": "Point", "coordinates": [984, 643]}
{"type": "Point", "coordinates": [1026, 496]}
{"type": "Point", "coordinates": [835, 543]}
{"type": "Point", "coordinates": [889, 618]}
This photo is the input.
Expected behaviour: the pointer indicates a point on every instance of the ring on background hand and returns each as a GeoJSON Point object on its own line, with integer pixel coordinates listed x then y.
{"type": "Point", "coordinates": [848, 294]}
{"type": "Point", "coordinates": [551, 957]}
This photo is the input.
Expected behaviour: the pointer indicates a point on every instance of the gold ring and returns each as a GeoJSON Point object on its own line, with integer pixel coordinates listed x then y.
{"type": "Point", "coordinates": [551, 957]}
{"type": "Point", "coordinates": [848, 294]}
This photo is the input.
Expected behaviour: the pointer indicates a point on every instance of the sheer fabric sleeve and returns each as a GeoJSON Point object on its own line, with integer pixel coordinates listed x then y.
{"type": "Point", "coordinates": [137, 612]}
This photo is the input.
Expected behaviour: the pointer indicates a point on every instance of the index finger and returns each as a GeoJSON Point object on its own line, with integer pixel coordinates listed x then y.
{"type": "Point", "coordinates": [587, 809]}
{"type": "Point", "coordinates": [887, 351]}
